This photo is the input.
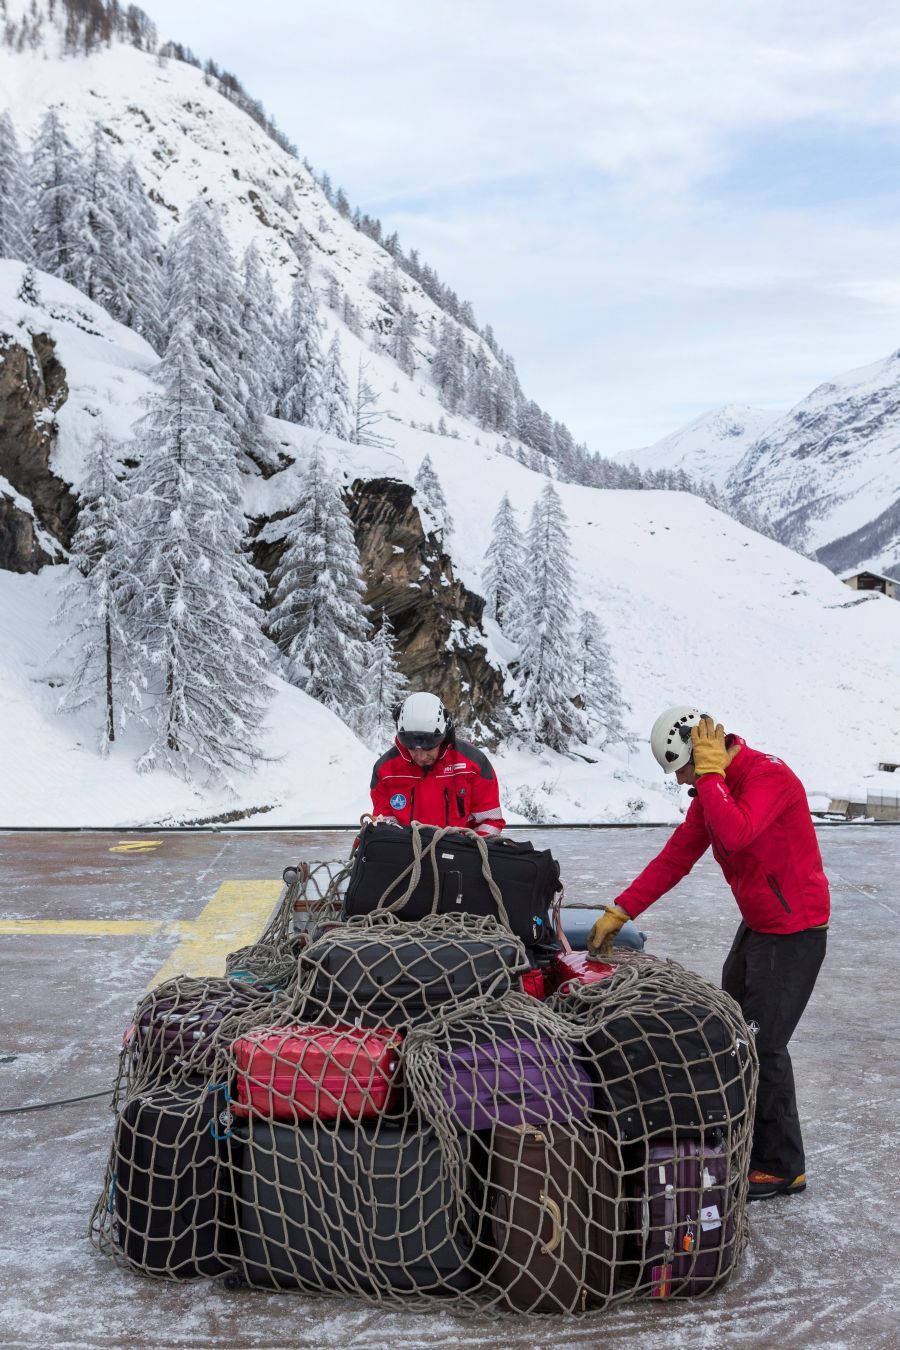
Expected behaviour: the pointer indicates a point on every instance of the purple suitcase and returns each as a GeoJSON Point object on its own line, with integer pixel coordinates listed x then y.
{"type": "Point", "coordinates": [178, 1031]}
{"type": "Point", "coordinates": [685, 1218]}
{"type": "Point", "coordinates": [515, 1082]}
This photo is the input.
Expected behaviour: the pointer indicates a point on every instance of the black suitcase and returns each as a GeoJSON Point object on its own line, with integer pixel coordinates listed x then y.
{"type": "Point", "coordinates": [168, 1193]}
{"type": "Point", "coordinates": [527, 878]}
{"type": "Point", "coordinates": [367, 1208]}
{"type": "Point", "coordinates": [668, 1069]}
{"type": "Point", "coordinates": [383, 977]}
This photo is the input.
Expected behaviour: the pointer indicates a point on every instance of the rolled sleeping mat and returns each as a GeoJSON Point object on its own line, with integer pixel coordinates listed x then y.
{"type": "Point", "coordinates": [577, 923]}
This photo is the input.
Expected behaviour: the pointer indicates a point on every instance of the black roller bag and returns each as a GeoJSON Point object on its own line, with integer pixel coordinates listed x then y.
{"type": "Point", "coordinates": [393, 979]}
{"type": "Point", "coordinates": [363, 1208]}
{"type": "Point", "coordinates": [173, 1216]}
{"type": "Point", "coordinates": [669, 1069]}
{"type": "Point", "coordinates": [527, 878]}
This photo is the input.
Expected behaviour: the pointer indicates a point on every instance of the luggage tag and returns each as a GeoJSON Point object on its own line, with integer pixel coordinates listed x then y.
{"type": "Point", "coordinates": [710, 1218]}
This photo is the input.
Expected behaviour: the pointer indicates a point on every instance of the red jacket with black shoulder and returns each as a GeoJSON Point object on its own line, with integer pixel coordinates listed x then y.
{"type": "Point", "coordinates": [460, 789]}
{"type": "Point", "coordinates": [757, 821]}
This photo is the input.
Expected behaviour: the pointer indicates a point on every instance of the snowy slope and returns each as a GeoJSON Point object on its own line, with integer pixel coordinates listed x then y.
{"type": "Point", "coordinates": [833, 463]}
{"type": "Point", "coordinates": [186, 138]}
{"type": "Point", "coordinates": [696, 607]}
{"type": "Point", "coordinates": [709, 447]}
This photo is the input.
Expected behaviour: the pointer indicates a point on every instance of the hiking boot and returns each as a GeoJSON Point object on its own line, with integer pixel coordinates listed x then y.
{"type": "Point", "coordinates": [763, 1185]}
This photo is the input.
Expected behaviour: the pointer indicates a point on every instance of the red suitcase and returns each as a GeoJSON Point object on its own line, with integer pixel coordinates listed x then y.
{"type": "Point", "coordinates": [323, 1073]}
{"type": "Point", "coordinates": [570, 969]}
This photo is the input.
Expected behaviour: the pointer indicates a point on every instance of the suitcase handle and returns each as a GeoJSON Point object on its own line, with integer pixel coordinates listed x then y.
{"type": "Point", "coordinates": [556, 1219]}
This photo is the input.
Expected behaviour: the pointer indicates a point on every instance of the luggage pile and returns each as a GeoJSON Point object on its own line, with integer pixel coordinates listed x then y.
{"type": "Point", "coordinates": [423, 1098]}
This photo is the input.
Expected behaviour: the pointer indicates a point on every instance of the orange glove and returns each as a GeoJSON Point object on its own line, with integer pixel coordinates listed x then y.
{"type": "Point", "coordinates": [600, 938]}
{"type": "Point", "coordinates": [709, 750]}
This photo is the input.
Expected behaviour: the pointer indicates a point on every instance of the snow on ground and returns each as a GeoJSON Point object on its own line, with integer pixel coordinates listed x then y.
{"type": "Point", "coordinates": [709, 447]}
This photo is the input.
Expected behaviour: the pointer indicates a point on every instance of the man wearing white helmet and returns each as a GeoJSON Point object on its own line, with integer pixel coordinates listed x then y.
{"type": "Point", "coordinates": [752, 810]}
{"type": "Point", "coordinates": [431, 777]}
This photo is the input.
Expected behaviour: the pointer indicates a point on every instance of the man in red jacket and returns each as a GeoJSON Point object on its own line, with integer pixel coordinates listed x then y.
{"type": "Point", "coordinates": [752, 810]}
{"type": "Point", "coordinates": [431, 777]}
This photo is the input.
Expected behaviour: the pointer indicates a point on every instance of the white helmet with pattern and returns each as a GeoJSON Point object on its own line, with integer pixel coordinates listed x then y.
{"type": "Point", "coordinates": [670, 738]}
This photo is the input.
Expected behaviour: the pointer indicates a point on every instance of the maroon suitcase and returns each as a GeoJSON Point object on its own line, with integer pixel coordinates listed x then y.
{"type": "Point", "coordinates": [551, 1241]}
{"type": "Point", "coordinates": [683, 1214]}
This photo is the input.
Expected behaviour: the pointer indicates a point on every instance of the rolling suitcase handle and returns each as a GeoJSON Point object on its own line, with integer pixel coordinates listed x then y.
{"type": "Point", "coordinates": [556, 1219]}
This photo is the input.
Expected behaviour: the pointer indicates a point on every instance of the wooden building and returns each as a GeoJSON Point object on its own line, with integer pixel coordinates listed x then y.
{"type": "Point", "coordinates": [873, 581]}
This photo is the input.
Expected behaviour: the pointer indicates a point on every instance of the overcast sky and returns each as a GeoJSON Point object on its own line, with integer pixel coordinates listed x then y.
{"type": "Point", "coordinates": [661, 206]}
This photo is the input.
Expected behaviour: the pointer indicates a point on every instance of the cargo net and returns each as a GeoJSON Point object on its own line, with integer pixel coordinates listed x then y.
{"type": "Point", "coordinates": [403, 1124]}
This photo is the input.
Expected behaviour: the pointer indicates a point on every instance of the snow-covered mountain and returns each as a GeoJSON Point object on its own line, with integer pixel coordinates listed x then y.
{"type": "Point", "coordinates": [696, 606]}
{"type": "Point", "coordinates": [831, 466]}
{"type": "Point", "coordinates": [708, 448]}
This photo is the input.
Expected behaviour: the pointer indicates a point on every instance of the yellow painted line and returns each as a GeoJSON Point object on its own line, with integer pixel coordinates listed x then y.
{"type": "Point", "coordinates": [88, 927]}
{"type": "Point", "coordinates": [135, 846]}
{"type": "Point", "coordinates": [233, 918]}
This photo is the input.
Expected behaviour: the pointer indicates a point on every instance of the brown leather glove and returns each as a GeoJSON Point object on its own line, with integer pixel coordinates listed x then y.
{"type": "Point", "coordinates": [600, 938]}
{"type": "Point", "coordinates": [709, 750]}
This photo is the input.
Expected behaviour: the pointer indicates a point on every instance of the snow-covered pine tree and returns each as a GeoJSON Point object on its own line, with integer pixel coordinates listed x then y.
{"type": "Point", "coordinates": [448, 366]}
{"type": "Point", "coordinates": [385, 687]}
{"type": "Point", "coordinates": [603, 704]}
{"type": "Point", "coordinates": [365, 415]}
{"type": "Point", "coordinates": [98, 260]}
{"type": "Point", "coordinates": [15, 229]}
{"type": "Point", "coordinates": [259, 320]}
{"type": "Point", "coordinates": [301, 377]}
{"type": "Point", "coordinates": [504, 571]}
{"type": "Point", "coordinates": [431, 498]}
{"type": "Point", "coordinates": [55, 173]}
{"type": "Point", "coordinates": [195, 603]}
{"type": "Point", "coordinates": [142, 298]}
{"type": "Point", "coordinates": [318, 617]}
{"type": "Point", "coordinates": [204, 310]}
{"type": "Point", "coordinates": [94, 597]}
{"type": "Point", "coordinates": [548, 715]}
{"type": "Point", "coordinates": [402, 339]}
{"type": "Point", "coordinates": [28, 289]}
{"type": "Point", "coordinates": [335, 413]}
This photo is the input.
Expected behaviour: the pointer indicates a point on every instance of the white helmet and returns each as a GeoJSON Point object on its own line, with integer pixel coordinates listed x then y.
{"type": "Point", "coordinates": [423, 722]}
{"type": "Point", "coordinates": [670, 739]}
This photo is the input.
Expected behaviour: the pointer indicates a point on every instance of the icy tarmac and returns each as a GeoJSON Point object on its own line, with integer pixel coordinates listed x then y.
{"type": "Point", "coordinates": [821, 1269]}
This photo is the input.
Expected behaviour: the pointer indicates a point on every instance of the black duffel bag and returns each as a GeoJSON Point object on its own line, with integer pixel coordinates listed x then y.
{"type": "Point", "coordinates": [452, 864]}
{"type": "Point", "coordinates": [667, 1069]}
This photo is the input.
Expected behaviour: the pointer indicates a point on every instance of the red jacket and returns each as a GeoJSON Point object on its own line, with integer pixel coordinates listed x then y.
{"type": "Point", "coordinates": [758, 823]}
{"type": "Point", "coordinates": [460, 789]}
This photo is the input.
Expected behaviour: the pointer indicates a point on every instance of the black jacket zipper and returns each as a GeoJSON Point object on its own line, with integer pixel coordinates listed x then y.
{"type": "Point", "coordinates": [412, 805]}
{"type": "Point", "coordinates": [717, 847]}
{"type": "Point", "coordinates": [461, 804]}
{"type": "Point", "coordinates": [446, 806]}
{"type": "Point", "coordinates": [775, 887]}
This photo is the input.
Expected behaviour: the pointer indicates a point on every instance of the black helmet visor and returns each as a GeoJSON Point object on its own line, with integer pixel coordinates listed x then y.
{"type": "Point", "coordinates": [420, 740]}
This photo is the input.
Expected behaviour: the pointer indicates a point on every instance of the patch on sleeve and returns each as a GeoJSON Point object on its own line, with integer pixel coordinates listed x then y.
{"type": "Point", "coordinates": [398, 801]}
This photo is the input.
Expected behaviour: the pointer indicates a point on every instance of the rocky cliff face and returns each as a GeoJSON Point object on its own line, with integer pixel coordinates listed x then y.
{"type": "Point", "coordinates": [436, 619]}
{"type": "Point", "coordinates": [32, 390]}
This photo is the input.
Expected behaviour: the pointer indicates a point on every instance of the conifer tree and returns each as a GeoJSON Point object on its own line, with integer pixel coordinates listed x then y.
{"type": "Point", "coordinates": [94, 598]}
{"type": "Point", "coordinates": [98, 263]}
{"type": "Point", "coordinates": [15, 232]}
{"type": "Point", "coordinates": [549, 717]}
{"type": "Point", "coordinates": [335, 413]}
{"type": "Point", "coordinates": [259, 317]}
{"type": "Point", "coordinates": [365, 415]}
{"type": "Point", "coordinates": [595, 686]}
{"type": "Point", "coordinates": [431, 498]}
{"type": "Point", "coordinates": [318, 617]}
{"type": "Point", "coordinates": [448, 366]}
{"type": "Point", "coordinates": [385, 686]}
{"type": "Point", "coordinates": [402, 339]}
{"type": "Point", "coordinates": [54, 177]}
{"type": "Point", "coordinates": [204, 310]}
{"type": "Point", "coordinates": [504, 571]}
{"type": "Point", "coordinates": [142, 296]}
{"type": "Point", "coordinates": [28, 289]}
{"type": "Point", "coordinates": [301, 380]}
{"type": "Point", "coordinates": [195, 601]}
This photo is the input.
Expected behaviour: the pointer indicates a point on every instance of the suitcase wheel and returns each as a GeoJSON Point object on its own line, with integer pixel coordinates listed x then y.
{"type": "Point", "coordinates": [232, 1281]}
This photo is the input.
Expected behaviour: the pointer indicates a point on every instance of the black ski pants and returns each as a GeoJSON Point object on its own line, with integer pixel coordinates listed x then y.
{"type": "Point", "coordinates": [771, 975]}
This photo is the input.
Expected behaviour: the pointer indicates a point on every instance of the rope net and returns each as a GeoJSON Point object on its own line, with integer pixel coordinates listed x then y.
{"type": "Point", "coordinates": [376, 1108]}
